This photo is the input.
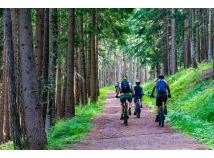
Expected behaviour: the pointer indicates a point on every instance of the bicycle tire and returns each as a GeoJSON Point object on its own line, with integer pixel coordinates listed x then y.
{"type": "Point", "coordinates": [125, 115]}
{"type": "Point", "coordinates": [162, 117]}
{"type": "Point", "coordinates": [138, 110]}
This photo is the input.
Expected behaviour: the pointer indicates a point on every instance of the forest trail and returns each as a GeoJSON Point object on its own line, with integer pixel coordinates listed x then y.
{"type": "Point", "coordinates": [110, 133]}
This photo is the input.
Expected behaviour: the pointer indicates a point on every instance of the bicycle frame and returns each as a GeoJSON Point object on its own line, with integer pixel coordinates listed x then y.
{"type": "Point", "coordinates": [125, 112]}
{"type": "Point", "coordinates": [161, 114]}
{"type": "Point", "coordinates": [138, 108]}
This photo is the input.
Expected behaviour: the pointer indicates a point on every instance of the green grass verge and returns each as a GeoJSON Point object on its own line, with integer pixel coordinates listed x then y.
{"type": "Point", "coordinates": [67, 132]}
{"type": "Point", "coordinates": [190, 109]}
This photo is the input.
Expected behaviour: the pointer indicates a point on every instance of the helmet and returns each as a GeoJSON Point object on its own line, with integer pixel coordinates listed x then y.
{"type": "Point", "coordinates": [161, 76]}
{"type": "Point", "coordinates": [137, 82]}
{"type": "Point", "coordinates": [124, 78]}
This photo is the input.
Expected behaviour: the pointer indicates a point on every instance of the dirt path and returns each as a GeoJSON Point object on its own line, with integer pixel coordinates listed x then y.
{"type": "Point", "coordinates": [110, 133]}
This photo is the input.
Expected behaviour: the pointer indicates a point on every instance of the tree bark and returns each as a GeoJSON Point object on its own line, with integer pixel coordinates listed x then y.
{"type": "Point", "coordinates": [69, 100]}
{"type": "Point", "coordinates": [52, 68]}
{"type": "Point", "coordinates": [14, 117]}
{"type": "Point", "coordinates": [32, 108]}
{"type": "Point", "coordinates": [93, 58]}
{"type": "Point", "coordinates": [45, 61]}
{"type": "Point", "coordinates": [173, 49]}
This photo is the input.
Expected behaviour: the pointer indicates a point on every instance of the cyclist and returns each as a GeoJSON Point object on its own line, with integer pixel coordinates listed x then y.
{"type": "Point", "coordinates": [116, 85]}
{"type": "Point", "coordinates": [161, 94]}
{"type": "Point", "coordinates": [138, 94]}
{"type": "Point", "coordinates": [126, 92]}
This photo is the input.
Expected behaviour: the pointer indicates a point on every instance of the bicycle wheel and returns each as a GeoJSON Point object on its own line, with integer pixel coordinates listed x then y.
{"type": "Point", "coordinates": [125, 114]}
{"type": "Point", "coordinates": [138, 110]}
{"type": "Point", "coordinates": [161, 120]}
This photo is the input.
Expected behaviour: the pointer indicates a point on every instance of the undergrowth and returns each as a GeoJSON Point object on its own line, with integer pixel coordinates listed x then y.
{"type": "Point", "coordinates": [190, 109]}
{"type": "Point", "coordinates": [67, 132]}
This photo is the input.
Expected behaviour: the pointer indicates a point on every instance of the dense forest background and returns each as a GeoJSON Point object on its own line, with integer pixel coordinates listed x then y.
{"type": "Point", "coordinates": [54, 59]}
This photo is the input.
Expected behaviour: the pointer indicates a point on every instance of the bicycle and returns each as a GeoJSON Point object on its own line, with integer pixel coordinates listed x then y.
{"type": "Point", "coordinates": [138, 110]}
{"type": "Point", "coordinates": [125, 112]}
{"type": "Point", "coordinates": [161, 113]}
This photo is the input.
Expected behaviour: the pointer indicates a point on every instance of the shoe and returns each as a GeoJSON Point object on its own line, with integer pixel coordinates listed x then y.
{"type": "Point", "coordinates": [141, 106]}
{"type": "Point", "coordinates": [165, 111]}
{"type": "Point", "coordinates": [157, 118]}
{"type": "Point", "coordinates": [135, 112]}
{"type": "Point", "coordinates": [129, 112]}
{"type": "Point", "coordinates": [121, 117]}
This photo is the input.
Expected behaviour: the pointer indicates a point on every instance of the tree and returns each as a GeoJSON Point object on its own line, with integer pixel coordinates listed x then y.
{"type": "Point", "coordinates": [45, 60]}
{"type": "Point", "coordinates": [36, 137]}
{"type": "Point", "coordinates": [14, 117]}
{"type": "Point", "coordinates": [53, 34]}
{"type": "Point", "coordinates": [93, 57]}
{"type": "Point", "coordinates": [69, 101]}
{"type": "Point", "coordinates": [173, 48]}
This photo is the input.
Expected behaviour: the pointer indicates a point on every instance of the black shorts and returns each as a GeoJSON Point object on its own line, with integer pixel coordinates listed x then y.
{"type": "Point", "coordinates": [159, 100]}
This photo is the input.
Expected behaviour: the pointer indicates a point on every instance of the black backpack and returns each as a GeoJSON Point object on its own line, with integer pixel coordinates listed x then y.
{"type": "Point", "coordinates": [125, 87]}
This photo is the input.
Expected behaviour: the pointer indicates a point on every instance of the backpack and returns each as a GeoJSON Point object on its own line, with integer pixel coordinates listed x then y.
{"type": "Point", "coordinates": [125, 87]}
{"type": "Point", "coordinates": [161, 86]}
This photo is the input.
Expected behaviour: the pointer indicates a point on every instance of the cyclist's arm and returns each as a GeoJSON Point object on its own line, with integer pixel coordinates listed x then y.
{"type": "Point", "coordinates": [153, 89]}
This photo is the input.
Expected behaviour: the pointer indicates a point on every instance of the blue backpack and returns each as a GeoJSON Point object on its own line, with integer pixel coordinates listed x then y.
{"type": "Point", "coordinates": [161, 86]}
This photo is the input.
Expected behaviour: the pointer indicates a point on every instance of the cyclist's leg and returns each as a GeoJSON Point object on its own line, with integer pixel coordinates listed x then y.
{"type": "Point", "coordinates": [165, 104]}
{"type": "Point", "coordinates": [122, 100]}
{"type": "Point", "coordinates": [158, 105]}
{"type": "Point", "coordinates": [135, 101]}
{"type": "Point", "coordinates": [129, 98]}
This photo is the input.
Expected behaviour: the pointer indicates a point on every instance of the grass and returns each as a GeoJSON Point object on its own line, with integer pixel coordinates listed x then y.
{"type": "Point", "coordinates": [190, 109]}
{"type": "Point", "coordinates": [67, 132]}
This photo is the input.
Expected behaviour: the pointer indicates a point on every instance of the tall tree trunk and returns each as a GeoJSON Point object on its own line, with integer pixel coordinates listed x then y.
{"type": "Point", "coordinates": [146, 73]}
{"type": "Point", "coordinates": [109, 80]}
{"type": "Point", "coordinates": [135, 69]}
{"type": "Point", "coordinates": [210, 36]}
{"type": "Point", "coordinates": [89, 66]}
{"type": "Point", "coordinates": [45, 61]}
{"type": "Point", "coordinates": [52, 67]}
{"type": "Point", "coordinates": [131, 70]}
{"type": "Point", "coordinates": [14, 117]}
{"type": "Point", "coordinates": [96, 59]}
{"type": "Point", "coordinates": [138, 68]}
{"type": "Point", "coordinates": [198, 59]}
{"type": "Point", "coordinates": [187, 58]}
{"type": "Point", "coordinates": [173, 49]}
{"type": "Point", "coordinates": [32, 109]}
{"type": "Point", "coordinates": [39, 43]}
{"type": "Point", "coordinates": [192, 40]}
{"type": "Point", "coordinates": [2, 101]}
{"type": "Point", "coordinates": [58, 92]}
{"type": "Point", "coordinates": [124, 64]}
{"type": "Point", "coordinates": [69, 100]}
{"type": "Point", "coordinates": [166, 48]}
{"type": "Point", "coordinates": [84, 101]}
{"type": "Point", "coordinates": [93, 58]}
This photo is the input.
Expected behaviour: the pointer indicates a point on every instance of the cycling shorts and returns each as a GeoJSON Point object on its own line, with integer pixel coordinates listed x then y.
{"type": "Point", "coordinates": [137, 97]}
{"type": "Point", "coordinates": [158, 100]}
{"type": "Point", "coordinates": [127, 96]}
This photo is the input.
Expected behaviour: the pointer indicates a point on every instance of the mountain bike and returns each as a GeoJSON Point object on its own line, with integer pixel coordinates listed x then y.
{"type": "Point", "coordinates": [161, 113]}
{"type": "Point", "coordinates": [138, 110]}
{"type": "Point", "coordinates": [125, 112]}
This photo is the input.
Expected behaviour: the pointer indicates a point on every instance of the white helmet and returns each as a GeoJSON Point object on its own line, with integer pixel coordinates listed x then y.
{"type": "Point", "coordinates": [137, 82]}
